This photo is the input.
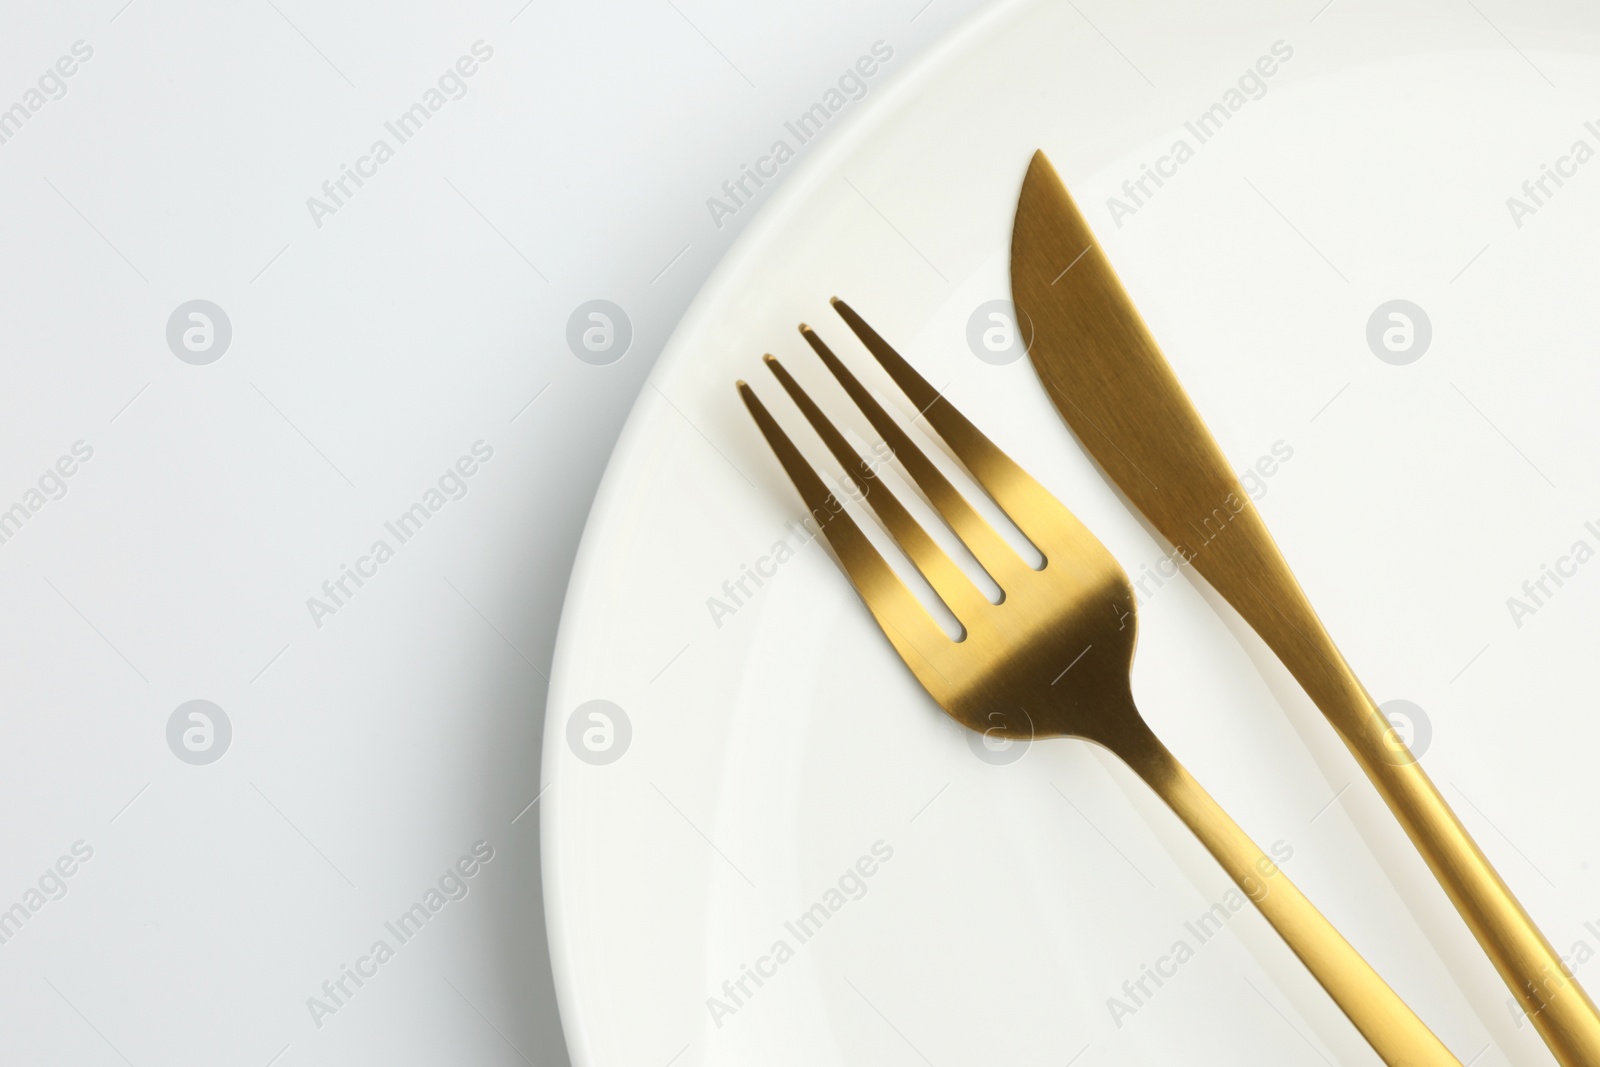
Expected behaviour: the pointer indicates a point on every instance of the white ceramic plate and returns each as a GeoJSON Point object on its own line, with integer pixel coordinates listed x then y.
{"type": "Point", "coordinates": [770, 750]}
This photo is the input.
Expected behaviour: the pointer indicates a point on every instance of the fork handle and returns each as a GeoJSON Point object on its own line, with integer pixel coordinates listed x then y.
{"type": "Point", "coordinates": [1390, 1027]}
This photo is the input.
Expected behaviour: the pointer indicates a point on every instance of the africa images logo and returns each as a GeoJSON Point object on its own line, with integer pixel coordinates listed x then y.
{"type": "Point", "coordinates": [451, 85]}
{"type": "Point", "coordinates": [851, 885]}
{"type": "Point", "coordinates": [453, 884]}
{"type": "Point", "coordinates": [851, 85]}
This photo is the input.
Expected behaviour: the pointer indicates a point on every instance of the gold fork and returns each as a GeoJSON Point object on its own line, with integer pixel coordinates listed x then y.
{"type": "Point", "coordinates": [1053, 657]}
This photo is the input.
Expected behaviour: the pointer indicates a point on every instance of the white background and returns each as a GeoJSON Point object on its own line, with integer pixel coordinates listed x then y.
{"type": "Point", "coordinates": [367, 355]}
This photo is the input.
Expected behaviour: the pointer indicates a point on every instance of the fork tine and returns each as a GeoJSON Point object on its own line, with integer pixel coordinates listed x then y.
{"type": "Point", "coordinates": [1022, 498]}
{"type": "Point", "coordinates": [997, 557]}
{"type": "Point", "coordinates": [912, 631]}
{"type": "Point", "coordinates": [963, 598]}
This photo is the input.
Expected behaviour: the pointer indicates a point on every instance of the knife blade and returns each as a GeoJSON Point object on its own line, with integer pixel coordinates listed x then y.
{"type": "Point", "coordinates": [1108, 378]}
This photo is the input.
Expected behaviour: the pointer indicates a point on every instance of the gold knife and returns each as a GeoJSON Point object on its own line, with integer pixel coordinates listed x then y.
{"type": "Point", "coordinates": [1108, 379]}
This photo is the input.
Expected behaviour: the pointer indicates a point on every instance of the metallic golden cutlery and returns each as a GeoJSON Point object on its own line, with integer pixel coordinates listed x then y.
{"type": "Point", "coordinates": [1052, 657]}
{"type": "Point", "coordinates": [1108, 379]}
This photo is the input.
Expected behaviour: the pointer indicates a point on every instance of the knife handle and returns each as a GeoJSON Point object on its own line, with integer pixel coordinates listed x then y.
{"type": "Point", "coordinates": [1392, 1029]}
{"type": "Point", "coordinates": [1559, 1008]}
{"type": "Point", "coordinates": [1274, 605]}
